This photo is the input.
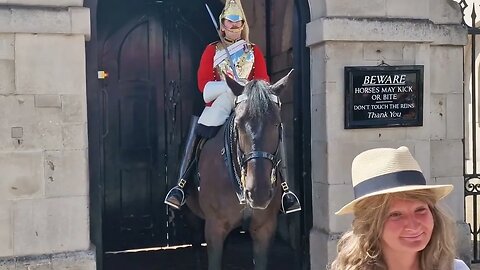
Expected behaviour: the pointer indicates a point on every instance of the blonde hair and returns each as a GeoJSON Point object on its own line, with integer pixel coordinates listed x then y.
{"type": "Point", "coordinates": [361, 248]}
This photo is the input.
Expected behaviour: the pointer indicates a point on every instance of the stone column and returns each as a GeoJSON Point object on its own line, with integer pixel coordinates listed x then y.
{"type": "Point", "coordinates": [44, 216]}
{"type": "Point", "coordinates": [365, 33]}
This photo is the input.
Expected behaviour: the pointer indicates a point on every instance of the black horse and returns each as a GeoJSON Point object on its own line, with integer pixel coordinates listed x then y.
{"type": "Point", "coordinates": [255, 126]}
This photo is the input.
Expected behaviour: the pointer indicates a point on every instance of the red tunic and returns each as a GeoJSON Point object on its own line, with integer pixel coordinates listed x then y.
{"type": "Point", "coordinates": [207, 73]}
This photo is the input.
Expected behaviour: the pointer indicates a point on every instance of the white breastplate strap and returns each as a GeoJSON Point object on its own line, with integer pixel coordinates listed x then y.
{"type": "Point", "coordinates": [221, 55]}
{"type": "Point", "coordinates": [244, 97]}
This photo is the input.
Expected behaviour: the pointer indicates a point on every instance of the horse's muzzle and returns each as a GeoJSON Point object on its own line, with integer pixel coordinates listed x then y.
{"type": "Point", "coordinates": [259, 202]}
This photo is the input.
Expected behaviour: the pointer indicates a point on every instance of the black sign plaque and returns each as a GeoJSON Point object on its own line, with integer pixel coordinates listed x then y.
{"type": "Point", "coordinates": [383, 96]}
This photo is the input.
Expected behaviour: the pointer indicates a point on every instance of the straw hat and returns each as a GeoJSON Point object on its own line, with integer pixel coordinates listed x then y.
{"type": "Point", "coordinates": [387, 170]}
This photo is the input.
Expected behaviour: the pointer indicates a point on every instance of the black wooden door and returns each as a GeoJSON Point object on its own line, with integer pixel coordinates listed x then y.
{"type": "Point", "coordinates": [149, 96]}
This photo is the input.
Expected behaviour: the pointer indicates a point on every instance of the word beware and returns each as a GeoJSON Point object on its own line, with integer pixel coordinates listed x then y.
{"type": "Point", "coordinates": [384, 79]}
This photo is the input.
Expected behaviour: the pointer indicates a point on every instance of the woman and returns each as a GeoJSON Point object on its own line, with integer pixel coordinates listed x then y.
{"type": "Point", "coordinates": [397, 223]}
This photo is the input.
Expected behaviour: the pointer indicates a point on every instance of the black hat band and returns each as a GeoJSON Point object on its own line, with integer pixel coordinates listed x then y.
{"type": "Point", "coordinates": [386, 181]}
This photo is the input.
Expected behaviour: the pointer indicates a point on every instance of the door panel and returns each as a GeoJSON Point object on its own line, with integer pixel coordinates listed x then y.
{"type": "Point", "coordinates": [150, 95]}
{"type": "Point", "coordinates": [133, 216]}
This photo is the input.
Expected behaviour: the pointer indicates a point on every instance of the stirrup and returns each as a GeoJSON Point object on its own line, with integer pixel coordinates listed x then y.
{"type": "Point", "coordinates": [294, 207]}
{"type": "Point", "coordinates": [176, 189]}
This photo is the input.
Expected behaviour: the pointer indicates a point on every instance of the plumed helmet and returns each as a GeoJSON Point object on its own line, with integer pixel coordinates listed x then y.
{"type": "Point", "coordinates": [233, 11]}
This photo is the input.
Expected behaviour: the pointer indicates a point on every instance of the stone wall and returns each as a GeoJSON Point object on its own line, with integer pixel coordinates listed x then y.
{"type": "Point", "coordinates": [365, 33]}
{"type": "Point", "coordinates": [44, 211]}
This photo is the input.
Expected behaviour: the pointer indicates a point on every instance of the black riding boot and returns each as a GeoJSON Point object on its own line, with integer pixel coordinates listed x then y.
{"type": "Point", "coordinates": [176, 196]}
{"type": "Point", "coordinates": [290, 202]}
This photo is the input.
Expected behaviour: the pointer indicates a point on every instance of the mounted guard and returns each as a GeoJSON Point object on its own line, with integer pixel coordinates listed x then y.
{"type": "Point", "coordinates": [234, 56]}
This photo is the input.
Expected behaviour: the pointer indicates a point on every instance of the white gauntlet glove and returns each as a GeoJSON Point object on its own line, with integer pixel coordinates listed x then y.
{"type": "Point", "coordinates": [213, 90]}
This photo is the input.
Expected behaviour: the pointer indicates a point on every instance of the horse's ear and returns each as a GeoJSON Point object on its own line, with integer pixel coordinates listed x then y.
{"type": "Point", "coordinates": [280, 84]}
{"type": "Point", "coordinates": [236, 88]}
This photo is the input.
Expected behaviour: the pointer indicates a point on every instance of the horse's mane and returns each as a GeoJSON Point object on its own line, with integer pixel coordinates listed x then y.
{"type": "Point", "coordinates": [258, 103]}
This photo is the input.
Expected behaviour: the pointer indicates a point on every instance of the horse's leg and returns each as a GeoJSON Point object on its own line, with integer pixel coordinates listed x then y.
{"type": "Point", "coordinates": [262, 237]}
{"type": "Point", "coordinates": [215, 234]}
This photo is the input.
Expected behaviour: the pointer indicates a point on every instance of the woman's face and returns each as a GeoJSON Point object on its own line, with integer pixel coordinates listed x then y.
{"type": "Point", "coordinates": [408, 227]}
{"type": "Point", "coordinates": [233, 30]}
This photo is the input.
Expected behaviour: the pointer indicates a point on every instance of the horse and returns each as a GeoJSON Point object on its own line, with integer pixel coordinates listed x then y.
{"type": "Point", "coordinates": [254, 194]}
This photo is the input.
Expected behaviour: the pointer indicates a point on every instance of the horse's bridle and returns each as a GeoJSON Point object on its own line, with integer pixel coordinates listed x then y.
{"type": "Point", "coordinates": [243, 158]}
